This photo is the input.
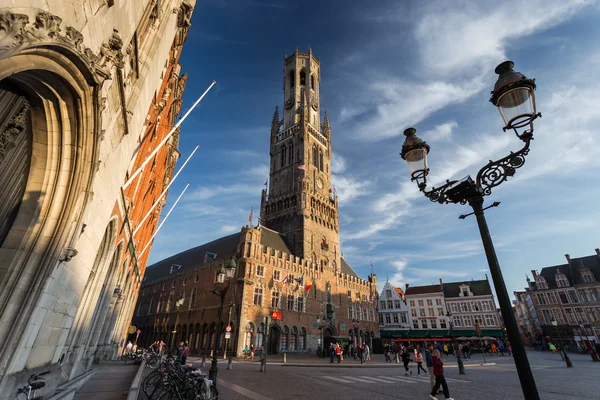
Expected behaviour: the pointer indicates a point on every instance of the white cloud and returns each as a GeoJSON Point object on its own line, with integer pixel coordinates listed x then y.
{"type": "Point", "coordinates": [440, 133]}
{"type": "Point", "coordinates": [206, 193]}
{"type": "Point", "coordinates": [338, 163]}
{"type": "Point", "coordinates": [397, 278]}
{"type": "Point", "coordinates": [348, 188]}
{"type": "Point", "coordinates": [229, 229]}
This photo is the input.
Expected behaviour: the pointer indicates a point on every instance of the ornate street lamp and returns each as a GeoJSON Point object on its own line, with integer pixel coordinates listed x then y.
{"type": "Point", "coordinates": [562, 349]}
{"type": "Point", "coordinates": [225, 273]}
{"type": "Point", "coordinates": [513, 94]}
{"type": "Point", "coordinates": [461, 366]}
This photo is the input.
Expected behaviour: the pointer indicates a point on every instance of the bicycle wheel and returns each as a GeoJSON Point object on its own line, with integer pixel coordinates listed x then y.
{"type": "Point", "coordinates": [151, 382]}
{"type": "Point", "coordinates": [214, 393]}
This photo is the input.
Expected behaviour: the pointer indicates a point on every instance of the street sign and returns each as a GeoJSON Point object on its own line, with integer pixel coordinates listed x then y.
{"type": "Point", "coordinates": [227, 335]}
{"type": "Point", "coordinates": [277, 315]}
{"type": "Point", "coordinates": [342, 327]}
{"type": "Point", "coordinates": [228, 329]}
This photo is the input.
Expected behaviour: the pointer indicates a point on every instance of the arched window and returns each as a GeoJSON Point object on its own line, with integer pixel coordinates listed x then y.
{"type": "Point", "coordinates": [312, 82]}
{"type": "Point", "coordinates": [302, 339]}
{"type": "Point", "coordinates": [294, 339]}
{"type": "Point", "coordinates": [283, 156]}
{"type": "Point", "coordinates": [292, 78]}
{"type": "Point", "coordinates": [285, 333]}
{"type": "Point", "coordinates": [260, 334]}
{"type": "Point", "coordinates": [150, 306]}
{"type": "Point", "coordinates": [321, 160]}
{"type": "Point", "coordinates": [291, 153]}
{"type": "Point", "coordinates": [193, 299]}
{"type": "Point", "coordinates": [248, 335]}
{"type": "Point", "coordinates": [302, 78]}
{"type": "Point", "coordinates": [315, 156]}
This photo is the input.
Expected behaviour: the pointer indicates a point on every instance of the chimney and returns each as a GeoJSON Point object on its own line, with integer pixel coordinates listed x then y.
{"type": "Point", "coordinates": [534, 273]}
{"type": "Point", "coordinates": [407, 285]}
{"type": "Point", "coordinates": [598, 252]}
{"type": "Point", "coordinates": [441, 282]}
{"type": "Point", "coordinates": [568, 257]}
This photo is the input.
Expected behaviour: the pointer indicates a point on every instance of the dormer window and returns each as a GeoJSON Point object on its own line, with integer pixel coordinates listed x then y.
{"type": "Point", "coordinates": [587, 276]}
{"type": "Point", "coordinates": [561, 280]}
{"type": "Point", "coordinates": [464, 291]}
{"type": "Point", "coordinates": [541, 283]}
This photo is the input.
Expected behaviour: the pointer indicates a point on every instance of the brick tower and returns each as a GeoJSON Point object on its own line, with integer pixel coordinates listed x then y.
{"type": "Point", "coordinates": [301, 203]}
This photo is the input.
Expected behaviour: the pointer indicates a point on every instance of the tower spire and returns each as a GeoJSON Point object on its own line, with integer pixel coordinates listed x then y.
{"type": "Point", "coordinates": [326, 126]}
{"type": "Point", "coordinates": [275, 122]}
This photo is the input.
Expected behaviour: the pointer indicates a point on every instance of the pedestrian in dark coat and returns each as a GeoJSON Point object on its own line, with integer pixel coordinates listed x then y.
{"type": "Point", "coordinates": [438, 371]}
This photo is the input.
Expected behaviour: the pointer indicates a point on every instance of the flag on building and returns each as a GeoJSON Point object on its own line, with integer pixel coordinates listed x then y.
{"type": "Point", "coordinates": [310, 285]}
{"type": "Point", "coordinates": [266, 183]}
{"type": "Point", "coordinates": [299, 280]}
{"type": "Point", "coordinates": [285, 280]}
{"type": "Point", "coordinates": [208, 255]}
{"type": "Point", "coordinates": [251, 212]}
{"type": "Point", "coordinates": [302, 167]}
{"type": "Point", "coordinates": [334, 190]}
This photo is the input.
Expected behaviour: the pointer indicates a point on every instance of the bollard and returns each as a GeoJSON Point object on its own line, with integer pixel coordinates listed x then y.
{"type": "Point", "coordinates": [203, 361]}
{"type": "Point", "coordinates": [284, 358]}
{"type": "Point", "coordinates": [229, 363]}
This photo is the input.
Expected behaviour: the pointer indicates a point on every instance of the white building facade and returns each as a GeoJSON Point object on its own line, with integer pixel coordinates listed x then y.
{"type": "Point", "coordinates": [427, 307]}
{"type": "Point", "coordinates": [393, 310]}
{"type": "Point", "coordinates": [470, 304]}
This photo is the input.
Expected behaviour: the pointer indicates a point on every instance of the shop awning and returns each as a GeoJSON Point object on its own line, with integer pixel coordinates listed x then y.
{"type": "Point", "coordinates": [393, 333]}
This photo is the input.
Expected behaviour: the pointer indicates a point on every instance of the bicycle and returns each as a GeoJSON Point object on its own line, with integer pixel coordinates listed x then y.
{"type": "Point", "coordinates": [171, 380]}
{"type": "Point", "coordinates": [34, 383]}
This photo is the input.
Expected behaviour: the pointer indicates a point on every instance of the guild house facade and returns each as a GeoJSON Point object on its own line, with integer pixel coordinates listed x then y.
{"type": "Point", "coordinates": [87, 90]}
{"type": "Point", "coordinates": [290, 262]}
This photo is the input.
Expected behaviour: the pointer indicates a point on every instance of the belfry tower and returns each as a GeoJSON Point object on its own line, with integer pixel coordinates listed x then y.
{"type": "Point", "coordinates": [301, 203]}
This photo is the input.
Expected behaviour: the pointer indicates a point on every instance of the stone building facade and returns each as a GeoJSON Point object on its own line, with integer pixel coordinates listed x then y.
{"type": "Point", "coordinates": [570, 295]}
{"type": "Point", "coordinates": [76, 83]}
{"type": "Point", "coordinates": [291, 262]}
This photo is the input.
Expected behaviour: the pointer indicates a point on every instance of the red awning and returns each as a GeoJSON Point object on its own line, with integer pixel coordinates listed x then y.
{"type": "Point", "coordinates": [422, 340]}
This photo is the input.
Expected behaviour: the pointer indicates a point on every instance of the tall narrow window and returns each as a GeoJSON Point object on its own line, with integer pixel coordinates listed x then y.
{"type": "Point", "coordinates": [321, 160]}
{"type": "Point", "coordinates": [315, 155]}
{"type": "Point", "coordinates": [302, 78]}
{"type": "Point", "coordinates": [283, 156]}
{"type": "Point", "coordinates": [292, 79]}
{"type": "Point", "coordinates": [291, 153]}
{"type": "Point", "coordinates": [312, 82]}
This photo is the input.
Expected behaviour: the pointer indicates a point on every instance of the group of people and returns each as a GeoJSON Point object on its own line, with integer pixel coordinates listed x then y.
{"type": "Point", "coordinates": [435, 368]}
{"type": "Point", "coordinates": [249, 352]}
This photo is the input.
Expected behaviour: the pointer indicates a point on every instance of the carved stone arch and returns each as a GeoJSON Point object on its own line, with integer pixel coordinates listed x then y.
{"type": "Point", "coordinates": [58, 78]}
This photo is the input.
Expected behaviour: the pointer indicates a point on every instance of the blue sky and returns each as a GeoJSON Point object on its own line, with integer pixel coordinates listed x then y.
{"type": "Point", "coordinates": [385, 66]}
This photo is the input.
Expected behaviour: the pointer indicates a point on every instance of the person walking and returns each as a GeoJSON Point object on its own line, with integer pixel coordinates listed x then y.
{"type": "Point", "coordinates": [438, 371]}
{"type": "Point", "coordinates": [252, 352]}
{"type": "Point", "coordinates": [446, 349]}
{"type": "Point", "coordinates": [386, 352]}
{"type": "Point", "coordinates": [419, 361]}
{"type": "Point", "coordinates": [331, 352]}
{"type": "Point", "coordinates": [405, 360]}
{"type": "Point", "coordinates": [361, 353]}
{"type": "Point", "coordinates": [185, 353]}
{"type": "Point", "coordinates": [128, 347]}
{"type": "Point", "coordinates": [338, 353]}
{"type": "Point", "coordinates": [429, 363]}
{"type": "Point", "coordinates": [367, 353]}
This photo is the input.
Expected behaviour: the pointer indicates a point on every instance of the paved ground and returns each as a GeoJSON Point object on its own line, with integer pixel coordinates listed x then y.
{"type": "Point", "coordinates": [110, 382]}
{"type": "Point", "coordinates": [350, 380]}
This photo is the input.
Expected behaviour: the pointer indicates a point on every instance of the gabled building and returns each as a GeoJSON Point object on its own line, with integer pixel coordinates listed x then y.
{"type": "Point", "coordinates": [470, 305]}
{"type": "Point", "coordinates": [570, 295]}
{"type": "Point", "coordinates": [393, 311]}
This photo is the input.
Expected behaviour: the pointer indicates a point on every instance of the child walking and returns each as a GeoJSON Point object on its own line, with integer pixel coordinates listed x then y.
{"type": "Point", "coordinates": [419, 361]}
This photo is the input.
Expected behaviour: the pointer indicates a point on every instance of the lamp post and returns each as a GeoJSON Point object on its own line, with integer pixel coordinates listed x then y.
{"type": "Point", "coordinates": [225, 273]}
{"type": "Point", "coordinates": [514, 97]}
{"type": "Point", "coordinates": [563, 353]}
{"type": "Point", "coordinates": [461, 366]}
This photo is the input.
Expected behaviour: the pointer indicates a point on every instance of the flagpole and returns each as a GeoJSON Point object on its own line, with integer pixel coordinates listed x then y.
{"type": "Point", "coordinates": [164, 220]}
{"type": "Point", "coordinates": [147, 160]}
{"type": "Point", "coordinates": [163, 193]}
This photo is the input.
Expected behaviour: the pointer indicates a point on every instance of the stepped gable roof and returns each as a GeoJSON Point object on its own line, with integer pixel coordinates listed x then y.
{"type": "Point", "coordinates": [423, 289]}
{"type": "Point", "coordinates": [224, 248]}
{"type": "Point", "coordinates": [347, 269]}
{"type": "Point", "coordinates": [572, 271]}
{"type": "Point", "coordinates": [274, 239]}
{"type": "Point", "coordinates": [478, 288]}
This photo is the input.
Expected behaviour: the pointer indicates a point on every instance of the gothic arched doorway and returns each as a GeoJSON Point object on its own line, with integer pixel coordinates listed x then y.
{"type": "Point", "coordinates": [274, 340]}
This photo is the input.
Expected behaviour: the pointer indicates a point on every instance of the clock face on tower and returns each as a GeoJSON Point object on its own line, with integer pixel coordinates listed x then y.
{"type": "Point", "coordinates": [319, 183]}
